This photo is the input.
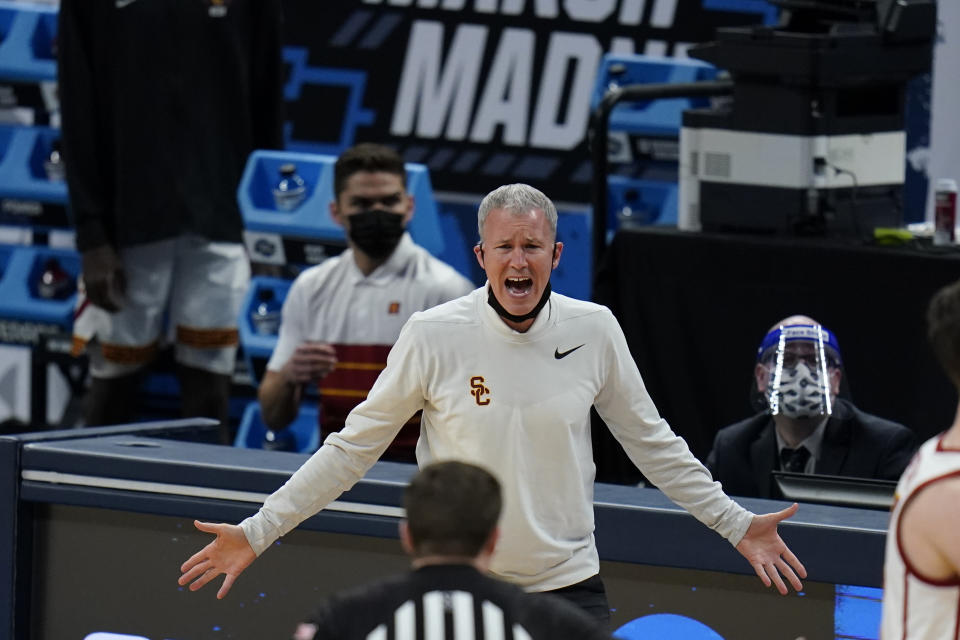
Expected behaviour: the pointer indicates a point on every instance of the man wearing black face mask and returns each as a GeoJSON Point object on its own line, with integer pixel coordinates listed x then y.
{"type": "Point", "coordinates": [804, 427]}
{"type": "Point", "coordinates": [341, 317]}
{"type": "Point", "coordinates": [376, 232]}
{"type": "Point", "coordinates": [505, 377]}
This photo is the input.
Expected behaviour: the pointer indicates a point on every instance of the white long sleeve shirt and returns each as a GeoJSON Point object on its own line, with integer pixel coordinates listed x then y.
{"type": "Point", "coordinates": [519, 405]}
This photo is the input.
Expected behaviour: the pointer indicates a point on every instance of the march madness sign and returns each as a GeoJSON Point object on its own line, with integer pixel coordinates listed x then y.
{"type": "Point", "coordinates": [481, 91]}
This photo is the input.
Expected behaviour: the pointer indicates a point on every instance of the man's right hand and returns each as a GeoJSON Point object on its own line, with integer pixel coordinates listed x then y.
{"type": "Point", "coordinates": [229, 553]}
{"type": "Point", "coordinates": [311, 361]}
{"type": "Point", "coordinates": [103, 277]}
{"type": "Point", "coordinates": [280, 390]}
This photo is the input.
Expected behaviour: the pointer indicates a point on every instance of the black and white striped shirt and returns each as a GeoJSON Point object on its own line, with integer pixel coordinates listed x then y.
{"type": "Point", "coordinates": [450, 602]}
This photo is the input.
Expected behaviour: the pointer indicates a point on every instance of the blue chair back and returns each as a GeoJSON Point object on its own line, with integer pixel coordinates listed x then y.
{"type": "Point", "coordinates": [302, 436]}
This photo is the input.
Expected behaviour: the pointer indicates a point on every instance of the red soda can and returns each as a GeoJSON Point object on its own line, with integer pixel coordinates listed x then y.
{"type": "Point", "coordinates": [945, 212]}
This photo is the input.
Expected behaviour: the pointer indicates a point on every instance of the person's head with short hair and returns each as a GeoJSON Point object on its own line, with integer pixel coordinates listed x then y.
{"type": "Point", "coordinates": [367, 157]}
{"type": "Point", "coordinates": [517, 199]}
{"type": "Point", "coordinates": [371, 201]}
{"type": "Point", "coordinates": [518, 250]}
{"type": "Point", "coordinates": [452, 513]}
{"type": "Point", "coordinates": [943, 329]}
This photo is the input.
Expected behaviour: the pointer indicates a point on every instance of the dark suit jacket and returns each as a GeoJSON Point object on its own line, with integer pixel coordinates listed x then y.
{"type": "Point", "coordinates": [854, 444]}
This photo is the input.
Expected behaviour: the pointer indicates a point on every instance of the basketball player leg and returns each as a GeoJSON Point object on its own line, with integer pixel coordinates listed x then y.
{"type": "Point", "coordinates": [210, 282]}
{"type": "Point", "coordinates": [206, 394]}
{"type": "Point", "coordinates": [112, 400]}
{"type": "Point", "coordinates": [120, 345]}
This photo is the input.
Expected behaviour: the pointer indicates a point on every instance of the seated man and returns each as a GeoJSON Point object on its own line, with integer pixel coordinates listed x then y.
{"type": "Point", "coordinates": [805, 427]}
{"type": "Point", "coordinates": [450, 534]}
{"type": "Point", "coordinates": [341, 317]}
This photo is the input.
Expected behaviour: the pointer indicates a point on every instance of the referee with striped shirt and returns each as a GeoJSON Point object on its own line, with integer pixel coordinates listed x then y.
{"type": "Point", "coordinates": [450, 534]}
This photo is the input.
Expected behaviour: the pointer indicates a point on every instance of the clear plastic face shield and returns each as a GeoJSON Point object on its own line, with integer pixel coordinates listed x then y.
{"type": "Point", "coordinates": [799, 370]}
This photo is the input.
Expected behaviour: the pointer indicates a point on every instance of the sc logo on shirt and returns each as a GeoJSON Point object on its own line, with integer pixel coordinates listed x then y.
{"type": "Point", "coordinates": [478, 390]}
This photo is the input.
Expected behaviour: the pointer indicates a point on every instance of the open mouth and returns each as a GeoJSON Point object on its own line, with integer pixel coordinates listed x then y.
{"type": "Point", "coordinates": [518, 285]}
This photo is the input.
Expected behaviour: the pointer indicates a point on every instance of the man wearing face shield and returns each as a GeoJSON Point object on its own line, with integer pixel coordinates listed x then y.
{"type": "Point", "coordinates": [341, 317]}
{"type": "Point", "coordinates": [804, 426]}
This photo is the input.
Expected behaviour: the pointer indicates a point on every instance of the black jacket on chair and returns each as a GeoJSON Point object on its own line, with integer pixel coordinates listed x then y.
{"type": "Point", "coordinates": [855, 444]}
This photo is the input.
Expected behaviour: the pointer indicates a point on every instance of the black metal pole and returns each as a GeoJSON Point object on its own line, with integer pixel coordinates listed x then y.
{"type": "Point", "coordinates": [599, 120]}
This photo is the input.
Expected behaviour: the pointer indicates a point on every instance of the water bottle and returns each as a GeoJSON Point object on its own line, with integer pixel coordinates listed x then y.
{"type": "Point", "coordinates": [290, 189]}
{"type": "Point", "coordinates": [53, 165]}
{"type": "Point", "coordinates": [54, 282]}
{"type": "Point", "coordinates": [282, 440]}
{"type": "Point", "coordinates": [945, 212]}
{"type": "Point", "coordinates": [265, 315]}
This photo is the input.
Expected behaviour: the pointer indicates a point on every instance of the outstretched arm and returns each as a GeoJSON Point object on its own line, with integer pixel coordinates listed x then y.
{"type": "Point", "coordinates": [229, 553]}
{"type": "Point", "coordinates": [337, 465]}
{"type": "Point", "coordinates": [768, 554]}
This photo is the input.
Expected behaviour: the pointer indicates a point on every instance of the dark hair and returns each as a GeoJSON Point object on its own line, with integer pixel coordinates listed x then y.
{"type": "Point", "coordinates": [366, 157]}
{"type": "Point", "coordinates": [452, 508]}
{"type": "Point", "coordinates": [943, 329]}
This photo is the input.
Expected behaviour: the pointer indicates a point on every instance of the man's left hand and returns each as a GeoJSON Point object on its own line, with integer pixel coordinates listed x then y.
{"type": "Point", "coordinates": [769, 555]}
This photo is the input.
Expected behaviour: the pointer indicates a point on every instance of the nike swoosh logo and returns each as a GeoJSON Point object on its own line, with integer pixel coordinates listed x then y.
{"type": "Point", "coordinates": [563, 354]}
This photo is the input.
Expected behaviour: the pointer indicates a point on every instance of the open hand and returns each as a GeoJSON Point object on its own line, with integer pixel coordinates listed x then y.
{"type": "Point", "coordinates": [229, 553]}
{"type": "Point", "coordinates": [310, 362]}
{"type": "Point", "coordinates": [769, 555]}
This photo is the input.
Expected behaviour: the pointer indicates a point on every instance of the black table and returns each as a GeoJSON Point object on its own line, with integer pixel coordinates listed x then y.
{"type": "Point", "coordinates": [694, 307]}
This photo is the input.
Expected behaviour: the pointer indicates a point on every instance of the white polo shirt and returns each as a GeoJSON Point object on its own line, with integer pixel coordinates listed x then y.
{"type": "Point", "coordinates": [334, 302]}
{"type": "Point", "coordinates": [361, 317]}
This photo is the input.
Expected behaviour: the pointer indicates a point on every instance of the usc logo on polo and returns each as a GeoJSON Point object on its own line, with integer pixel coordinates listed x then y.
{"type": "Point", "coordinates": [478, 390]}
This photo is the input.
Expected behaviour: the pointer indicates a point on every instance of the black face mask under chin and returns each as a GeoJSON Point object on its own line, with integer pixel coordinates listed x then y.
{"type": "Point", "coordinates": [503, 313]}
{"type": "Point", "coordinates": [376, 232]}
